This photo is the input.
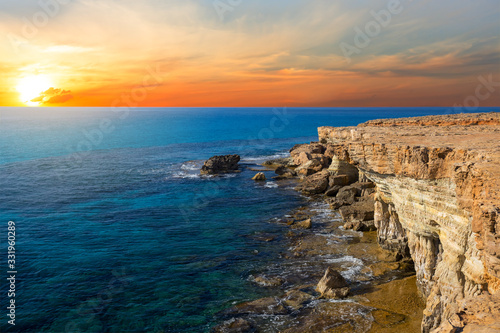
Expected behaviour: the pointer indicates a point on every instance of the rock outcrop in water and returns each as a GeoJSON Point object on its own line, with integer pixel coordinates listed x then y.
{"type": "Point", "coordinates": [220, 164]}
{"type": "Point", "coordinates": [437, 201]}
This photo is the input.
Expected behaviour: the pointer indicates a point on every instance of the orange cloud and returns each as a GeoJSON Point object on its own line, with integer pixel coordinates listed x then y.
{"type": "Point", "coordinates": [53, 96]}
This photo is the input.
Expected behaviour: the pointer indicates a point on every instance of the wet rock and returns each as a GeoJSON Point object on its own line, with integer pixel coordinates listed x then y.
{"type": "Point", "coordinates": [306, 224]}
{"type": "Point", "coordinates": [357, 225]}
{"type": "Point", "coordinates": [286, 175]}
{"type": "Point", "coordinates": [277, 162]}
{"type": "Point", "coordinates": [268, 281]}
{"type": "Point", "coordinates": [259, 177]}
{"type": "Point", "coordinates": [281, 170]}
{"type": "Point", "coordinates": [220, 164]}
{"type": "Point", "coordinates": [296, 299]}
{"type": "Point", "coordinates": [235, 325]}
{"type": "Point", "coordinates": [332, 285]}
{"type": "Point", "coordinates": [381, 268]}
{"type": "Point", "coordinates": [387, 319]}
{"type": "Point", "coordinates": [268, 305]}
{"type": "Point", "coordinates": [315, 184]}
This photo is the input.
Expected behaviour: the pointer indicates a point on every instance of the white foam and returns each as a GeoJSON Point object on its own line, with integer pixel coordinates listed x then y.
{"type": "Point", "coordinates": [271, 185]}
{"type": "Point", "coordinates": [190, 167]}
{"type": "Point", "coordinates": [265, 157]}
{"type": "Point", "coordinates": [353, 265]}
{"type": "Point", "coordinates": [184, 175]}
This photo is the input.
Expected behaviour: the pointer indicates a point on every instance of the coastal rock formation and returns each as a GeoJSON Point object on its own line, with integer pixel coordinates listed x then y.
{"type": "Point", "coordinates": [437, 201]}
{"type": "Point", "coordinates": [220, 164]}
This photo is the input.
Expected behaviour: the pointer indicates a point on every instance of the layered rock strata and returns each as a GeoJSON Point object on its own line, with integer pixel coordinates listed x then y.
{"type": "Point", "coordinates": [436, 201]}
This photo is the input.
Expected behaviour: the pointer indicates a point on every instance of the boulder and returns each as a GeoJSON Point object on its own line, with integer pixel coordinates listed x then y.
{"type": "Point", "coordinates": [346, 196]}
{"type": "Point", "coordinates": [315, 184]}
{"type": "Point", "coordinates": [220, 164]}
{"type": "Point", "coordinates": [259, 177]}
{"type": "Point", "coordinates": [332, 285]}
{"type": "Point", "coordinates": [340, 180]}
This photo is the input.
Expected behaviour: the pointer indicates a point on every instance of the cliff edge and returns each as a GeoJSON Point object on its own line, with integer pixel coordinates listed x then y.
{"type": "Point", "coordinates": [437, 200]}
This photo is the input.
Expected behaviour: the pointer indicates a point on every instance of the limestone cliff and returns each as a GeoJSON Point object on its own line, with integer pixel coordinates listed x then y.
{"type": "Point", "coordinates": [437, 200]}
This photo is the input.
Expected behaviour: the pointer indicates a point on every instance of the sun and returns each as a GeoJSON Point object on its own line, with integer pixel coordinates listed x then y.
{"type": "Point", "coordinates": [30, 87]}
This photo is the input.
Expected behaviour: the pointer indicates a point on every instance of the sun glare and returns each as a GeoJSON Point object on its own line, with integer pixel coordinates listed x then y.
{"type": "Point", "coordinates": [30, 87]}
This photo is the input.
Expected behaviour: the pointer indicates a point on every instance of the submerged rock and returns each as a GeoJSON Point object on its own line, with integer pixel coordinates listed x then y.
{"type": "Point", "coordinates": [259, 177]}
{"type": "Point", "coordinates": [262, 306]}
{"type": "Point", "coordinates": [333, 285]}
{"type": "Point", "coordinates": [268, 281]}
{"type": "Point", "coordinates": [220, 164]}
{"type": "Point", "coordinates": [235, 325]}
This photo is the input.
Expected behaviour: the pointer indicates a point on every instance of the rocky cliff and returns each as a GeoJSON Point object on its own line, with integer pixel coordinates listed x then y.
{"type": "Point", "coordinates": [437, 200]}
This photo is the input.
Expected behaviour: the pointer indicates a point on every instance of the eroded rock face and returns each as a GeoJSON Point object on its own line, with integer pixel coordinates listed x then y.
{"type": "Point", "coordinates": [437, 201]}
{"type": "Point", "coordinates": [220, 164]}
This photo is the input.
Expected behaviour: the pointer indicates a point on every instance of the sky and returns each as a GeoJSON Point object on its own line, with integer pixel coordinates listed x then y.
{"type": "Point", "coordinates": [255, 53]}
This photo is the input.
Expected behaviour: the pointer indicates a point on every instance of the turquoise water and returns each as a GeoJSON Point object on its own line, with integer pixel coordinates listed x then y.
{"type": "Point", "coordinates": [115, 229]}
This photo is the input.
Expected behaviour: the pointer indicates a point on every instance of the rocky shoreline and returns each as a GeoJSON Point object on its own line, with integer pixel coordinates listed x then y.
{"type": "Point", "coordinates": [393, 206]}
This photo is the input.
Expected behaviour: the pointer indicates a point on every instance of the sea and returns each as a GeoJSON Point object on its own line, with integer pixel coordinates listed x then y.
{"type": "Point", "coordinates": [113, 229]}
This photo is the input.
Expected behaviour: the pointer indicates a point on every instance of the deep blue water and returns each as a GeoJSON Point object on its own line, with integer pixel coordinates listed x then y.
{"type": "Point", "coordinates": [115, 229]}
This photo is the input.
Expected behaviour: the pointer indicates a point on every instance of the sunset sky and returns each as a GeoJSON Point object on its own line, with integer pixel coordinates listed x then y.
{"type": "Point", "coordinates": [320, 53]}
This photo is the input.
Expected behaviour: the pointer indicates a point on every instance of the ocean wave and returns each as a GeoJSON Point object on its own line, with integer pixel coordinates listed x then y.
{"type": "Point", "coordinates": [184, 175]}
{"type": "Point", "coordinates": [353, 265]}
{"type": "Point", "coordinates": [271, 185]}
{"type": "Point", "coordinates": [192, 165]}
